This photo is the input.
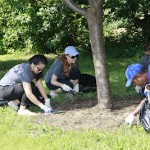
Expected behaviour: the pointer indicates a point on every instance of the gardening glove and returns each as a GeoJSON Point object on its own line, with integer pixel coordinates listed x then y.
{"type": "Point", "coordinates": [147, 92]}
{"type": "Point", "coordinates": [47, 102]}
{"type": "Point", "coordinates": [66, 88]}
{"type": "Point", "coordinates": [130, 119]}
{"type": "Point", "coordinates": [76, 88]}
{"type": "Point", "coordinates": [46, 109]}
{"type": "Point", "coordinates": [138, 89]}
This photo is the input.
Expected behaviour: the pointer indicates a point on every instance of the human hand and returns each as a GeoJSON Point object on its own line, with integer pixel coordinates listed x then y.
{"type": "Point", "coordinates": [147, 90]}
{"type": "Point", "coordinates": [66, 88]}
{"type": "Point", "coordinates": [46, 109]}
{"type": "Point", "coordinates": [47, 102]}
{"type": "Point", "coordinates": [130, 119]}
{"type": "Point", "coordinates": [76, 88]}
{"type": "Point", "coordinates": [138, 89]}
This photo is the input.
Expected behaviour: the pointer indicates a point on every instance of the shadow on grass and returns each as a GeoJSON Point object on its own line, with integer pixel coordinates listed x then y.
{"type": "Point", "coordinates": [6, 65]}
{"type": "Point", "coordinates": [119, 103]}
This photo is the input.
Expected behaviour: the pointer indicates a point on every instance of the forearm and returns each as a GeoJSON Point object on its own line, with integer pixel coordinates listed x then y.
{"type": "Point", "coordinates": [74, 82]}
{"type": "Point", "coordinates": [137, 109]}
{"type": "Point", "coordinates": [56, 83]}
{"type": "Point", "coordinates": [42, 90]}
{"type": "Point", "coordinates": [30, 95]}
{"type": "Point", "coordinates": [34, 100]}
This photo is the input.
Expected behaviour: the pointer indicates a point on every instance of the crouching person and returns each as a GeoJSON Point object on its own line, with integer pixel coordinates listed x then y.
{"type": "Point", "coordinates": [137, 75]}
{"type": "Point", "coordinates": [64, 74]}
{"type": "Point", "coordinates": [17, 84]}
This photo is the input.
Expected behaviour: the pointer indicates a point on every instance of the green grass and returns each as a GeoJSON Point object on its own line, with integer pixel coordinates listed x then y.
{"type": "Point", "coordinates": [17, 132]}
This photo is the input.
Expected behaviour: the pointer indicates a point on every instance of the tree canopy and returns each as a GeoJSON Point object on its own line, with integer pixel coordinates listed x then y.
{"type": "Point", "coordinates": [48, 26]}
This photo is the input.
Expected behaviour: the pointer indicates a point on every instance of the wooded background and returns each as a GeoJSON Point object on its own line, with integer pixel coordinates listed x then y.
{"type": "Point", "coordinates": [47, 26]}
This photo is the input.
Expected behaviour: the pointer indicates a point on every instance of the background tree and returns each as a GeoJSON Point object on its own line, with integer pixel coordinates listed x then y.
{"type": "Point", "coordinates": [48, 26]}
{"type": "Point", "coordinates": [94, 16]}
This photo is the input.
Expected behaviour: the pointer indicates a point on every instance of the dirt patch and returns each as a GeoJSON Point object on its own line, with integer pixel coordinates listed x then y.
{"type": "Point", "coordinates": [85, 114]}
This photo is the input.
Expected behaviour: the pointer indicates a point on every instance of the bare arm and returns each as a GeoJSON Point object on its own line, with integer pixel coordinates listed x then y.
{"type": "Point", "coordinates": [55, 82]}
{"type": "Point", "coordinates": [30, 95]}
{"type": "Point", "coordinates": [41, 89]}
{"type": "Point", "coordinates": [137, 109]}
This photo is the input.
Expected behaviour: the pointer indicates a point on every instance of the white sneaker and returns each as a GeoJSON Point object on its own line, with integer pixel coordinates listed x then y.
{"type": "Point", "coordinates": [53, 94]}
{"type": "Point", "coordinates": [13, 105]}
{"type": "Point", "coordinates": [130, 119]}
{"type": "Point", "coordinates": [26, 112]}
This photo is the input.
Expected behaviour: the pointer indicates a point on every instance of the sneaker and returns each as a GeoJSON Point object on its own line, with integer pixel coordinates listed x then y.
{"type": "Point", "coordinates": [53, 94]}
{"type": "Point", "coordinates": [13, 105]}
{"type": "Point", "coordinates": [26, 112]}
{"type": "Point", "coordinates": [130, 119]}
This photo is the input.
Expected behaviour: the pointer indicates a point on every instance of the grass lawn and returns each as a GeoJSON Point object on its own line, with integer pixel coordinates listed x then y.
{"type": "Point", "coordinates": [17, 132]}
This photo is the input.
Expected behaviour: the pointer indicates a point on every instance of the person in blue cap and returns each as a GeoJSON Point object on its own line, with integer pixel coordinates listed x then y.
{"type": "Point", "coordinates": [131, 72]}
{"type": "Point", "coordinates": [139, 76]}
{"type": "Point", "coordinates": [64, 73]}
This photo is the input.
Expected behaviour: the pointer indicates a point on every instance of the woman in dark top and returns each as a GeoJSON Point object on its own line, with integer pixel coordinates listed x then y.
{"type": "Point", "coordinates": [18, 84]}
{"type": "Point", "coordinates": [64, 73]}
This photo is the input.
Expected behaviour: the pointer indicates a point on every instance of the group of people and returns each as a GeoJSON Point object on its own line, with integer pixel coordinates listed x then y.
{"type": "Point", "coordinates": [22, 84]}
{"type": "Point", "coordinates": [139, 75]}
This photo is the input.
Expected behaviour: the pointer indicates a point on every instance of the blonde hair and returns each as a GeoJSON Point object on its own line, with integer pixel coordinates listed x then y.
{"type": "Point", "coordinates": [66, 64]}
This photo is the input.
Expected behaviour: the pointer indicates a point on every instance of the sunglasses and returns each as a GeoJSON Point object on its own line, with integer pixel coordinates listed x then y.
{"type": "Point", "coordinates": [39, 69]}
{"type": "Point", "coordinates": [73, 57]}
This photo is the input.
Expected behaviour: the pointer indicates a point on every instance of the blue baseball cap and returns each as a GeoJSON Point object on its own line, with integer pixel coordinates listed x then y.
{"type": "Point", "coordinates": [131, 71]}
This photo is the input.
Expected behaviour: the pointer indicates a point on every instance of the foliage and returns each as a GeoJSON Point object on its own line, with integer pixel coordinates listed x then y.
{"type": "Point", "coordinates": [45, 26]}
{"type": "Point", "coordinates": [135, 25]}
{"type": "Point", "coordinates": [49, 26]}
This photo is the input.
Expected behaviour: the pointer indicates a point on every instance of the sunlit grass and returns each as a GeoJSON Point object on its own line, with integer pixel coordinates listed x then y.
{"type": "Point", "coordinates": [18, 132]}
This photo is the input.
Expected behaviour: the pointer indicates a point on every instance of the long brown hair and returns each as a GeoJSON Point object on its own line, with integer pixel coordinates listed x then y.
{"type": "Point", "coordinates": [66, 64]}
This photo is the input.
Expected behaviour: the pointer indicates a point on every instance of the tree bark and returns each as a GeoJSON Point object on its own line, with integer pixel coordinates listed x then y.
{"type": "Point", "coordinates": [94, 16]}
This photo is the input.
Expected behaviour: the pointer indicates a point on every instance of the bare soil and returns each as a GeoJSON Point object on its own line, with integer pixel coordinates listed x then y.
{"type": "Point", "coordinates": [85, 114]}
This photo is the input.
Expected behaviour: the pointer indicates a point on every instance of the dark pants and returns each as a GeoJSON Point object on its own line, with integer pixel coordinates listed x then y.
{"type": "Point", "coordinates": [74, 75]}
{"type": "Point", "coordinates": [13, 92]}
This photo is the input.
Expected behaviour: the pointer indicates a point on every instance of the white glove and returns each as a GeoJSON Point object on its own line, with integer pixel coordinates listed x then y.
{"type": "Point", "coordinates": [138, 89]}
{"type": "Point", "coordinates": [66, 88]}
{"type": "Point", "coordinates": [47, 102]}
{"type": "Point", "coordinates": [46, 109]}
{"type": "Point", "coordinates": [147, 92]}
{"type": "Point", "coordinates": [76, 88]}
{"type": "Point", "coordinates": [130, 119]}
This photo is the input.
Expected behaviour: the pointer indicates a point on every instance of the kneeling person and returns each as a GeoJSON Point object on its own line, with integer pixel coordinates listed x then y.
{"type": "Point", "coordinates": [17, 84]}
{"type": "Point", "coordinates": [64, 74]}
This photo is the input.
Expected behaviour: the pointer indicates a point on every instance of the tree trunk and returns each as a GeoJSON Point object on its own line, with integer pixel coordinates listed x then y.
{"type": "Point", "coordinates": [94, 18]}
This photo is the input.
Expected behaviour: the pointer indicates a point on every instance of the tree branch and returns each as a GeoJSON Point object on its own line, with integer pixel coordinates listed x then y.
{"type": "Point", "coordinates": [72, 5]}
{"type": "Point", "coordinates": [96, 2]}
{"type": "Point", "coordinates": [100, 2]}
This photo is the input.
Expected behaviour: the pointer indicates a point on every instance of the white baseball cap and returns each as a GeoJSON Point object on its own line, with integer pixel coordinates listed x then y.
{"type": "Point", "coordinates": [71, 50]}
